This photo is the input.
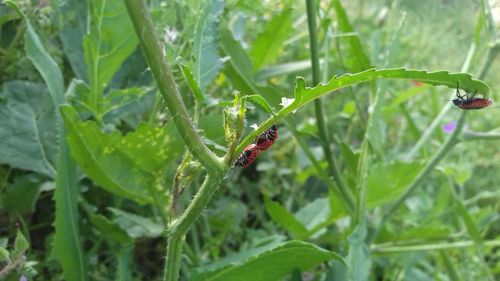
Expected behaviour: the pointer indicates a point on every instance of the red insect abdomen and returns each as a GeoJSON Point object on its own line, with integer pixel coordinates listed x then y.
{"type": "Point", "coordinates": [247, 156]}
{"type": "Point", "coordinates": [475, 104]}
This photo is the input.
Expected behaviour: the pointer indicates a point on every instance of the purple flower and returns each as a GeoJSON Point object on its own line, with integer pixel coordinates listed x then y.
{"type": "Point", "coordinates": [449, 127]}
{"type": "Point", "coordinates": [23, 278]}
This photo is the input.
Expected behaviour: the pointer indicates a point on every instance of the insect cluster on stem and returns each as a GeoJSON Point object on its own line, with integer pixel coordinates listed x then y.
{"type": "Point", "coordinates": [262, 143]}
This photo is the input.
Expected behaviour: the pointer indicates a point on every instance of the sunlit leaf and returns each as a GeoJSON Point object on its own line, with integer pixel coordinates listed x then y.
{"type": "Point", "coordinates": [131, 166]}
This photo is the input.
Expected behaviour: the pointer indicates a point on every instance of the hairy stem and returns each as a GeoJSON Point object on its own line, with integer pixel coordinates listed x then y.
{"type": "Point", "coordinates": [161, 71]}
{"type": "Point", "coordinates": [153, 52]}
{"type": "Point", "coordinates": [178, 231]}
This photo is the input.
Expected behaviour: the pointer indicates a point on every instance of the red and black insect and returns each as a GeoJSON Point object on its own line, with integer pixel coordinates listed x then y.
{"type": "Point", "coordinates": [267, 138]}
{"type": "Point", "coordinates": [247, 156]}
{"type": "Point", "coordinates": [471, 102]}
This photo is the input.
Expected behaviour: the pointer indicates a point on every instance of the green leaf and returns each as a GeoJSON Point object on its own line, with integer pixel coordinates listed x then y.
{"type": "Point", "coordinates": [20, 197]}
{"type": "Point", "coordinates": [239, 67]}
{"type": "Point", "coordinates": [444, 78]}
{"type": "Point", "coordinates": [137, 226]}
{"type": "Point", "coordinates": [27, 128]}
{"type": "Point", "coordinates": [72, 16]}
{"type": "Point", "coordinates": [79, 95]}
{"type": "Point", "coordinates": [262, 102]}
{"type": "Point", "coordinates": [110, 40]}
{"type": "Point", "coordinates": [193, 85]}
{"type": "Point", "coordinates": [20, 245]}
{"type": "Point", "coordinates": [110, 229]}
{"type": "Point", "coordinates": [304, 95]}
{"type": "Point", "coordinates": [67, 248]}
{"type": "Point", "coordinates": [283, 69]}
{"type": "Point", "coordinates": [240, 72]}
{"type": "Point", "coordinates": [205, 44]}
{"type": "Point", "coordinates": [265, 264]}
{"type": "Point", "coordinates": [314, 214]}
{"type": "Point", "coordinates": [358, 60]}
{"type": "Point", "coordinates": [387, 181]}
{"type": "Point", "coordinates": [285, 219]}
{"type": "Point", "coordinates": [267, 46]}
{"type": "Point", "coordinates": [120, 98]}
{"type": "Point", "coordinates": [358, 259]}
{"type": "Point", "coordinates": [4, 254]}
{"type": "Point", "coordinates": [131, 166]}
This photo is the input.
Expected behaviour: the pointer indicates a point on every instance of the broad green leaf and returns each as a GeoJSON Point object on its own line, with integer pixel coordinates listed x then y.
{"type": "Point", "coordinates": [109, 41]}
{"type": "Point", "coordinates": [268, 264]}
{"type": "Point", "coordinates": [304, 95]}
{"type": "Point", "coordinates": [267, 46]}
{"type": "Point", "coordinates": [28, 128]}
{"type": "Point", "coordinates": [359, 59]}
{"type": "Point", "coordinates": [387, 181]}
{"type": "Point", "coordinates": [131, 166]}
{"type": "Point", "coordinates": [110, 229]}
{"type": "Point", "coordinates": [205, 44]}
{"type": "Point", "coordinates": [73, 23]}
{"type": "Point", "coordinates": [116, 99]}
{"type": "Point", "coordinates": [67, 248]}
{"type": "Point", "coordinates": [79, 95]}
{"type": "Point", "coordinates": [136, 226]}
{"type": "Point", "coordinates": [285, 218]}
{"type": "Point", "coordinates": [358, 259]}
{"type": "Point", "coordinates": [20, 196]}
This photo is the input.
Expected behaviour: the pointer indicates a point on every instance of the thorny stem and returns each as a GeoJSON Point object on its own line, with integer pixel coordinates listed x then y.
{"type": "Point", "coordinates": [318, 106]}
{"type": "Point", "coordinates": [161, 71]}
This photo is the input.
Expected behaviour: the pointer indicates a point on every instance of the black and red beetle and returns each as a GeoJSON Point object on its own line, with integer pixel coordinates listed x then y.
{"type": "Point", "coordinates": [467, 103]}
{"type": "Point", "coordinates": [267, 138]}
{"type": "Point", "coordinates": [247, 156]}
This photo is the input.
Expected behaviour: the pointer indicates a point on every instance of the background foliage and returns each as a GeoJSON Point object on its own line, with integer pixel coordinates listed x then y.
{"type": "Point", "coordinates": [93, 170]}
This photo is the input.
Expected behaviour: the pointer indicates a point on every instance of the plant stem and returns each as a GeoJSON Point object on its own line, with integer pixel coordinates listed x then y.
{"type": "Point", "coordinates": [162, 73]}
{"type": "Point", "coordinates": [318, 106]}
{"type": "Point", "coordinates": [179, 229]}
{"type": "Point", "coordinates": [472, 136]}
{"type": "Point", "coordinates": [321, 172]}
